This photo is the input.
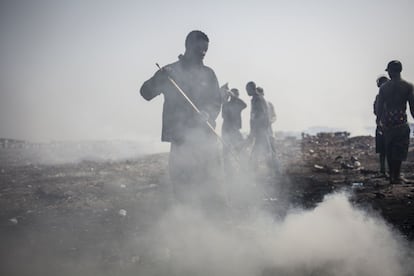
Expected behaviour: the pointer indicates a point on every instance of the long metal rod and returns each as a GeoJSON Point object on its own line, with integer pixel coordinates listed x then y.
{"type": "Point", "coordinates": [192, 104]}
{"type": "Point", "coordinates": [234, 155]}
{"type": "Point", "coordinates": [207, 122]}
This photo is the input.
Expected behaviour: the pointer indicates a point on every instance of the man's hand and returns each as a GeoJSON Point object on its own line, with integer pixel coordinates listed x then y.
{"type": "Point", "coordinates": [162, 74]}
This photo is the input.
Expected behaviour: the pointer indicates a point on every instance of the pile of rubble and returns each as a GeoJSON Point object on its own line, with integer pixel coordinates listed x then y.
{"type": "Point", "coordinates": [335, 162]}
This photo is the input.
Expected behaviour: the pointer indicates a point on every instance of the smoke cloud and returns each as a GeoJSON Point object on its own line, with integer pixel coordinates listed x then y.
{"type": "Point", "coordinates": [243, 238]}
{"type": "Point", "coordinates": [335, 238]}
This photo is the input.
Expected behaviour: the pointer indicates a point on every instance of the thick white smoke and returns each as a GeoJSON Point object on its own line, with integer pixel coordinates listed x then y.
{"type": "Point", "coordinates": [335, 238]}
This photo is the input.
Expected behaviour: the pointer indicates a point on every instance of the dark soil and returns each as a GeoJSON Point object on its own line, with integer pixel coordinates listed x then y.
{"type": "Point", "coordinates": [56, 217]}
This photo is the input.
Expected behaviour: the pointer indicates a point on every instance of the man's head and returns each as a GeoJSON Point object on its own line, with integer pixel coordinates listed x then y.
{"type": "Point", "coordinates": [394, 68]}
{"type": "Point", "coordinates": [381, 80]}
{"type": "Point", "coordinates": [196, 45]}
{"type": "Point", "coordinates": [251, 88]}
{"type": "Point", "coordinates": [260, 91]}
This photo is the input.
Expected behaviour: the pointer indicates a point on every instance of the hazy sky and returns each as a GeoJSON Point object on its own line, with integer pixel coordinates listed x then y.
{"type": "Point", "coordinates": [73, 69]}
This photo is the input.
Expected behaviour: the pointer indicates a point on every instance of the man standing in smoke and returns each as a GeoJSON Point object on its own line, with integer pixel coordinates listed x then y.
{"type": "Point", "coordinates": [392, 104]}
{"type": "Point", "coordinates": [259, 127]}
{"type": "Point", "coordinates": [379, 132]}
{"type": "Point", "coordinates": [270, 109]}
{"type": "Point", "coordinates": [194, 163]}
{"type": "Point", "coordinates": [232, 123]}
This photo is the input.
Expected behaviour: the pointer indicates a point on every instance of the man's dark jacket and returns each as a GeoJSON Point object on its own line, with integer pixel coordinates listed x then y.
{"type": "Point", "coordinates": [200, 84]}
{"type": "Point", "coordinates": [259, 115]}
{"type": "Point", "coordinates": [232, 114]}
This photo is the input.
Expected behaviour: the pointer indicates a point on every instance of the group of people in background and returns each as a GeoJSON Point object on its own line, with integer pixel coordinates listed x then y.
{"type": "Point", "coordinates": [392, 135]}
{"type": "Point", "coordinates": [262, 116]}
{"type": "Point", "coordinates": [193, 101]}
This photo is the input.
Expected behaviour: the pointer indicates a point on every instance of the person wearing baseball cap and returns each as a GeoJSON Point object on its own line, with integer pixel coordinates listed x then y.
{"type": "Point", "coordinates": [394, 66]}
{"type": "Point", "coordinates": [391, 109]}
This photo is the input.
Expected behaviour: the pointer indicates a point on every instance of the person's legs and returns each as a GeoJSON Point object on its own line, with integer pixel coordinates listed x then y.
{"type": "Point", "coordinates": [179, 178]}
{"type": "Point", "coordinates": [391, 165]}
{"type": "Point", "coordinates": [196, 170]}
{"type": "Point", "coordinates": [399, 150]}
{"type": "Point", "coordinates": [187, 170]}
{"type": "Point", "coordinates": [380, 146]}
{"type": "Point", "coordinates": [397, 171]}
{"type": "Point", "coordinates": [382, 162]}
{"type": "Point", "coordinates": [388, 148]}
{"type": "Point", "coordinates": [264, 148]}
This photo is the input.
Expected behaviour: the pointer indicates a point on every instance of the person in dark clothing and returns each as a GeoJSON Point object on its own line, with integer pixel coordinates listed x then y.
{"type": "Point", "coordinates": [271, 110]}
{"type": "Point", "coordinates": [232, 122]}
{"type": "Point", "coordinates": [379, 132]}
{"type": "Point", "coordinates": [230, 130]}
{"type": "Point", "coordinates": [194, 160]}
{"type": "Point", "coordinates": [259, 127]}
{"type": "Point", "coordinates": [392, 104]}
{"type": "Point", "coordinates": [272, 118]}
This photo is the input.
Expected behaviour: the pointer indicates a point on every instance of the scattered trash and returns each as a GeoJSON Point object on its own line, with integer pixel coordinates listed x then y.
{"type": "Point", "coordinates": [14, 221]}
{"type": "Point", "coordinates": [318, 167]}
{"type": "Point", "coordinates": [357, 184]}
{"type": "Point", "coordinates": [122, 212]}
{"type": "Point", "coordinates": [122, 186]}
{"type": "Point", "coordinates": [270, 199]}
{"type": "Point", "coordinates": [357, 164]}
{"type": "Point", "coordinates": [346, 166]}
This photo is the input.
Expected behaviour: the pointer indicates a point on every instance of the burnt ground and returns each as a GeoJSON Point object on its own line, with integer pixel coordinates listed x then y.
{"type": "Point", "coordinates": [332, 163]}
{"type": "Point", "coordinates": [81, 216]}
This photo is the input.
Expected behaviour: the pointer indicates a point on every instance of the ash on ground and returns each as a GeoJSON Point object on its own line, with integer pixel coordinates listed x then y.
{"type": "Point", "coordinates": [88, 216]}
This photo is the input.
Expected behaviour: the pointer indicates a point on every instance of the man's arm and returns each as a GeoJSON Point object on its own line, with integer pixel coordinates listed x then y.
{"type": "Point", "coordinates": [243, 105]}
{"type": "Point", "coordinates": [375, 105]}
{"type": "Point", "coordinates": [151, 88]}
{"type": "Point", "coordinates": [272, 113]}
{"type": "Point", "coordinates": [214, 104]}
{"type": "Point", "coordinates": [411, 100]}
{"type": "Point", "coordinates": [380, 104]}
